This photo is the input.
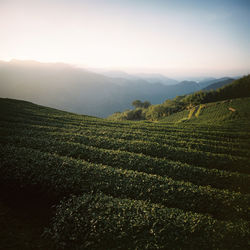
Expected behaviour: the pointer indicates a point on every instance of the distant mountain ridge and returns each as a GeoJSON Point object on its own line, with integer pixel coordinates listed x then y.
{"type": "Point", "coordinates": [150, 78]}
{"type": "Point", "coordinates": [218, 83]}
{"type": "Point", "coordinates": [81, 91]}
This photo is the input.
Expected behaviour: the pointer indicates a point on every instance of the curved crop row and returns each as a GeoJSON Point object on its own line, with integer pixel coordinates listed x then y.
{"type": "Point", "coordinates": [137, 162]}
{"type": "Point", "coordinates": [149, 128]}
{"type": "Point", "coordinates": [64, 176]}
{"type": "Point", "coordinates": [218, 146]}
{"type": "Point", "coordinates": [191, 156]}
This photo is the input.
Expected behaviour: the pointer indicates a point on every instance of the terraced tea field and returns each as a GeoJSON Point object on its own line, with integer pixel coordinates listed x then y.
{"type": "Point", "coordinates": [128, 185]}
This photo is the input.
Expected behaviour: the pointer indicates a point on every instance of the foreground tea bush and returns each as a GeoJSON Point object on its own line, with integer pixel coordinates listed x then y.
{"type": "Point", "coordinates": [64, 176]}
{"type": "Point", "coordinates": [103, 222]}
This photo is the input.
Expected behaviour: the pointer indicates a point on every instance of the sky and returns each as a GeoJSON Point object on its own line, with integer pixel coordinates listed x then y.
{"type": "Point", "coordinates": [175, 38]}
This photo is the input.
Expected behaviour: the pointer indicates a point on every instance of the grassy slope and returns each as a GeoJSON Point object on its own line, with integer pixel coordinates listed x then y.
{"type": "Point", "coordinates": [214, 113]}
{"type": "Point", "coordinates": [25, 218]}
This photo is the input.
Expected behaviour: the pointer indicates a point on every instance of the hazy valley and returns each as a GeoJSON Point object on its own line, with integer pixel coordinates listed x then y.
{"type": "Point", "coordinates": [77, 90]}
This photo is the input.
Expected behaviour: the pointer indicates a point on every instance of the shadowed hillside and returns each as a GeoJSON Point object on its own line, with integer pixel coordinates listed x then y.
{"type": "Point", "coordinates": [122, 184]}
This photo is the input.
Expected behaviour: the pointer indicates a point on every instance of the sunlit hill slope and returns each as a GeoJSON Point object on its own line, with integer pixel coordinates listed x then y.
{"type": "Point", "coordinates": [222, 112]}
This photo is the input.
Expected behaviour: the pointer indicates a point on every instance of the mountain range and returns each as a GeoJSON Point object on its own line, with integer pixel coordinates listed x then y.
{"type": "Point", "coordinates": [81, 91]}
{"type": "Point", "coordinates": [218, 83]}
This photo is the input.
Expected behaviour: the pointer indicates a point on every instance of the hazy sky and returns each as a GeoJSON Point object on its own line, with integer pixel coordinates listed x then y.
{"type": "Point", "coordinates": [177, 37]}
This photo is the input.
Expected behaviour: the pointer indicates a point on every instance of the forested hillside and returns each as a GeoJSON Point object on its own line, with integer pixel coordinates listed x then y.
{"type": "Point", "coordinates": [127, 185]}
{"type": "Point", "coordinates": [237, 89]}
